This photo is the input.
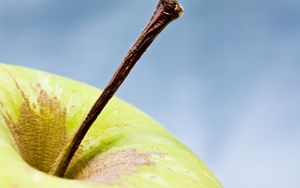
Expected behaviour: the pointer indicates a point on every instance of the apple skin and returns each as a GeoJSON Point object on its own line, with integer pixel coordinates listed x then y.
{"type": "Point", "coordinates": [123, 148]}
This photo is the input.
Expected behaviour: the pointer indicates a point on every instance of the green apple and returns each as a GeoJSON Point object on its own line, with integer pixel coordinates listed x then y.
{"type": "Point", "coordinates": [123, 148]}
{"type": "Point", "coordinates": [47, 138]}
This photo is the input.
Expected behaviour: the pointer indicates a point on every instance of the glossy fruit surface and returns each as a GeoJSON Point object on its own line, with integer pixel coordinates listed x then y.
{"type": "Point", "coordinates": [124, 147]}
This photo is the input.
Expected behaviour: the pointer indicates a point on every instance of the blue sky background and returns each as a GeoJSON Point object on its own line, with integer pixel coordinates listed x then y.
{"type": "Point", "coordinates": [224, 78]}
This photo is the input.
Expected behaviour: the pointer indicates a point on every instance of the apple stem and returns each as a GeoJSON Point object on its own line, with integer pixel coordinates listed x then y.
{"type": "Point", "coordinates": [165, 13]}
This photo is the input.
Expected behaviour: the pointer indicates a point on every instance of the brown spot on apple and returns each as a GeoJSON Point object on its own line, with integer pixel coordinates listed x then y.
{"type": "Point", "coordinates": [109, 168]}
{"type": "Point", "coordinates": [39, 132]}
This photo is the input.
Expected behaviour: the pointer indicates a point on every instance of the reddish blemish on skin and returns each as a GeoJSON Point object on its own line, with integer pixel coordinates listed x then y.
{"type": "Point", "coordinates": [109, 169]}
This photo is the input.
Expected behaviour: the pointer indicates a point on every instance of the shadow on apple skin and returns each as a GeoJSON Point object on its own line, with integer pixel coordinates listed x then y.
{"type": "Point", "coordinates": [123, 148]}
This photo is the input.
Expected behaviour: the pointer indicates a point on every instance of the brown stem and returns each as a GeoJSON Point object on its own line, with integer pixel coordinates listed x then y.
{"type": "Point", "coordinates": [166, 12]}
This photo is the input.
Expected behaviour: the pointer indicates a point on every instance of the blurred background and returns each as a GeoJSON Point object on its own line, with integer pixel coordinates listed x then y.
{"type": "Point", "coordinates": [224, 79]}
